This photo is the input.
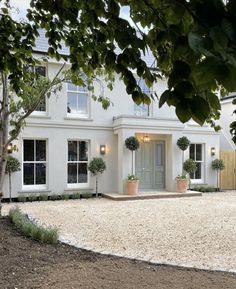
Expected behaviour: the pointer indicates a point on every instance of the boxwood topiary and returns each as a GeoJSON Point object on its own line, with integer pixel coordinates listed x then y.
{"type": "Point", "coordinates": [183, 143]}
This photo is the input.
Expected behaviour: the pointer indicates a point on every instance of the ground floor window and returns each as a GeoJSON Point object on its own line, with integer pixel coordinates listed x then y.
{"type": "Point", "coordinates": [77, 166]}
{"type": "Point", "coordinates": [34, 162]}
{"type": "Point", "coordinates": [196, 153]}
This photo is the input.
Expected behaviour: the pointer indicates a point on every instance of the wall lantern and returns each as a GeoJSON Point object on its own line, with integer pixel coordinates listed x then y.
{"type": "Point", "coordinates": [102, 149]}
{"type": "Point", "coordinates": [213, 151]}
{"type": "Point", "coordinates": [146, 138]}
{"type": "Point", "coordinates": [9, 148]}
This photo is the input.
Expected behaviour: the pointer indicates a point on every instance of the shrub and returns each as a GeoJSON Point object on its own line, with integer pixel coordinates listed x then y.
{"type": "Point", "coordinates": [43, 197]}
{"type": "Point", "coordinates": [204, 189]}
{"type": "Point", "coordinates": [218, 165]}
{"type": "Point", "coordinates": [183, 143]}
{"type": "Point", "coordinates": [32, 198]}
{"type": "Point", "coordinates": [189, 166]}
{"type": "Point", "coordinates": [29, 229]}
{"type": "Point", "coordinates": [65, 196]}
{"type": "Point", "coordinates": [87, 195]}
{"type": "Point", "coordinates": [132, 143]}
{"type": "Point", "coordinates": [75, 196]}
{"type": "Point", "coordinates": [54, 197]}
{"type": "Point", "coordinates": [96, 166]}
{"type": "Point", "coordinates": [22, 199]}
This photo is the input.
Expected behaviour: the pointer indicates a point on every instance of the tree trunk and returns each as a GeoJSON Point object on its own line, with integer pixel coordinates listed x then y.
{"type": "Point", "coordinates": [96, 186]}
{"type": "Point", "coordinates": [10, 186]}
{"type": "Point", "coordinates": [132, 162]}
{"type": "Point", "coordinates": [4, 122]}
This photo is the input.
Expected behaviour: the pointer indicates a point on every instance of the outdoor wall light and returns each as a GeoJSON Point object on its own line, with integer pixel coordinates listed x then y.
{"type": "Point", "coordinates": [213, 151]}
{"type": "Point", "coordinates": [102, 149]}
{"type": "Point", "coordinates": [9, 148]}
{"type": "Point", "coordinates": [146, 138]}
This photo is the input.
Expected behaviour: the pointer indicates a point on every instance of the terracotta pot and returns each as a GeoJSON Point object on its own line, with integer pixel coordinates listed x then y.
{"type": "Point", "coordinates": [181, 185]}
{"type": "Point", "coordinates": [132, 187]}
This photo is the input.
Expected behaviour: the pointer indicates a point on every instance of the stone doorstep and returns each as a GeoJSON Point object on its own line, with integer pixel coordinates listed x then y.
{"type": "Point", "coordinates": [151, 195]}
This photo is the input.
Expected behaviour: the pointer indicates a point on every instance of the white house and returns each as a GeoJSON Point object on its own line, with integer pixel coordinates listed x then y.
{"type": "Point", "coordinates": [67, 131]}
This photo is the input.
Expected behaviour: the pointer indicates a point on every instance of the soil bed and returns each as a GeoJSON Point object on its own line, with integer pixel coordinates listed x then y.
{"type": "Point", "coordinates": [25, 263]}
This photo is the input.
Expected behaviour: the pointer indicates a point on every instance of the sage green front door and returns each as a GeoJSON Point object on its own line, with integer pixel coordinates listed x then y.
{"type": "Point", "coordinates": [150, 165]}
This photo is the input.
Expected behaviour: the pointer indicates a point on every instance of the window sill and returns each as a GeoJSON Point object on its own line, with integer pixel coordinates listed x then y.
{"type": "Point", "coordinates": [33, 191]}
{"type": "Point", "coordinates": [39, 115]}
{"type": "Point", "coordinates": [78, 188]}
{"type": "Point", "coordinates": [77, 117]}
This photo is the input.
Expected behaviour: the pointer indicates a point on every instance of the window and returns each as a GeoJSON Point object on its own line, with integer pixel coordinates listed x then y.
{"type": "Point", "coordinates": [39, 71]}
{"type": "Point", "coordinates": [34, 162]}
{"type": "Point", "coordinates": [142, 109]}
{"type": "Point", "coordinates": [77, 100]}
{"type": "Point", "coordinates": [77, 167]}
{"type": "Point", "coordinates": [196, 153]}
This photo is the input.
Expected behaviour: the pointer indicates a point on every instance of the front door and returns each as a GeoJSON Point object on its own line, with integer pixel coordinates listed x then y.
{"type": "Point", "coordinates": [150, 165]}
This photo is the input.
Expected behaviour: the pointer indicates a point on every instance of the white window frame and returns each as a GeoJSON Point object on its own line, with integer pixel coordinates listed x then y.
{"type": "Point", "coordinates": [203, 163]}
{"type": "Point", "coordinates": [35, 187]}
{"type": "Point", "coordinates": [78, 185]}
{"type": "Point", "coordinates": [77, 115]}
{"type": "Point", "coordinates": [39, 112]}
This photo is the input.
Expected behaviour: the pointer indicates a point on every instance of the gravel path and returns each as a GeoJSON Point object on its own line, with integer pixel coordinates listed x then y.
{"type": "Point", "coordinates": [195, 232]}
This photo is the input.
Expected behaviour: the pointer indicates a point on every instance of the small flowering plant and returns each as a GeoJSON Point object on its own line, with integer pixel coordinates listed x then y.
{"type": "Point", "coordinates": [132, 178]}
{"type": "Point", "coordinates": [182, 177]}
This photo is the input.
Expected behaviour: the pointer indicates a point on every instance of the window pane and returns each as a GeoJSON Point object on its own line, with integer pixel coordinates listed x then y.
{"type": "Point", "coordinates": [28, 174]}
{"type": "Point", "coordinates": [72, 173]}
{"type": "Point", "coordinates": [40, 174]}
{"type": "Point", "coordinates": [198, 173]}
{"type": "Point", "coordinates": [82, 103]}
{"type": "Point", "coordinates": [72, 87]}
{"type": "Point", "coordinates": [83, 151]}
{"type": "Point", "coordinates": [40, 70]}
{"type": "Point", "coordinates": [42, 105]}
{"type": "Point", "coordinates": [28, 150]}
{"type": "Point", "coordinates": [142, 84]}
{"type": "Point", "coordinates": [159, 156]}
{"type": "Point", "coordinates": [82, 88]}
{"type": "Point", "coordinates": [40, 150]}
{"type": "Point", "coordinates": [72, 151]}
{"type": "Point", "coordinates": [198, 152]}
{"type": "Point", "coordinates": [83, 173]}
{"type": "Point", "coordinates": [141, 110]}
{"type": "Point", "coordinates": [191, 152]}
{"type": "Point", "coordinates": [72, 102]}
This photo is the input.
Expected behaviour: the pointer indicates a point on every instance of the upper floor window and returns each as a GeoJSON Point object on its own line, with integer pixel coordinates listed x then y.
{"type": "Point", "coordinates": [40, 70]}
{"type": "Point", "coordinates": [77, 100]}
{"type": "Point", "coordinates": [196, 153]}
{"type": "Point", "coordinates": [34, 162]}
{"type": "Point", "coordinates": [142, 109]}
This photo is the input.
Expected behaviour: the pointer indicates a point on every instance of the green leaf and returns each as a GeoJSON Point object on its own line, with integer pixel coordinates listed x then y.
{"type": "Point", "coordinates": [183, 112]}
{"type": "Point", "coordinates": [165, 95]}
{"type": "Point", "coordinates": [200, 110]}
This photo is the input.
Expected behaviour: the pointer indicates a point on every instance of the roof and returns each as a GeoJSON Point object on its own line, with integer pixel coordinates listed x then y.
{"type": "Point", "coordinates": [41, 46]}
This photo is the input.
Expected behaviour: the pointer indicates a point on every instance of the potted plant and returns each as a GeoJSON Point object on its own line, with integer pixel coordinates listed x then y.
{"type": "Point", "coordinates": [181, 183]}
{"type": "Point", "coordinates": [189, 167]}
{"type": "Point", "coordinates": [96, 167]}
{"type": "Point", "coordinates": [132, 181]}
{"type": "Point", "coordinates": [13, 165]}
{"type": "Point", "coordinates": [218, 165]}
{"type": "Point", "coordinates": [182, 180]}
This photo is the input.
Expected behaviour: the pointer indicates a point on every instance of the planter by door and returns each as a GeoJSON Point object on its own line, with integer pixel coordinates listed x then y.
{"type": "Point", "coordinates": [181, 185]}
{"type": "Point", "coordinates": [132, 187]}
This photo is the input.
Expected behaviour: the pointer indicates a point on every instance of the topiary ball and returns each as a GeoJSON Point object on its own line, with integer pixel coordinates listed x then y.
{"type": "Point", "coordinates": [132, 143]}
{"type": "Point", "coordinates": [183, 143]}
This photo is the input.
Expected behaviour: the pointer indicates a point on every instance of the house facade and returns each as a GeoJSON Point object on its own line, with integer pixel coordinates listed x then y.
{"type": "Point", "coordinates": [68, 130]}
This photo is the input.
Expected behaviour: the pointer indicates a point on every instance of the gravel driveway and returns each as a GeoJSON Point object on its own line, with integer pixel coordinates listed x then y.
{"type": "Point", "coordinates": [195, 232]}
